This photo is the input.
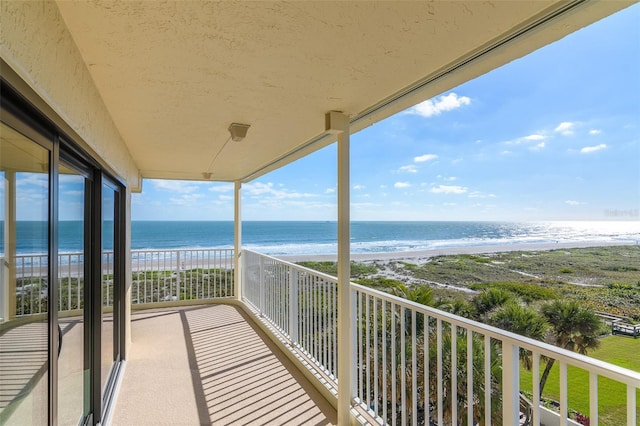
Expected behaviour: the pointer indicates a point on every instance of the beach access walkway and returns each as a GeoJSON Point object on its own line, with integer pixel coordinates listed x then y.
{"type": "Point", "coordinates": [210, 364]}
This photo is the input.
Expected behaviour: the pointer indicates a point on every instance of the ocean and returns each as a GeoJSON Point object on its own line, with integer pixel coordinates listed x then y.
{"type": "Point", "coordinates": [295, 238]}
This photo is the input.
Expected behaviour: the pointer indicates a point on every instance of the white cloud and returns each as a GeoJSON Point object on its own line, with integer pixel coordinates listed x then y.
{"type": "Point", "coordinates": [258, 188]}
{"type": "Point", "coordinates": [221, 188]}
{"type": "Point", "coordinates": [574, 203]}
{"type": "Point", "coordinates": [71, 180]}
{"type": "Point", "coordinates": [225, 198]}
{"type": "Point", "coordinates": [450, 178]}
{"type": "Point", "coordinates": [401, 185]}
{"type": "Point", "coordinates": [478, 194]}
{"type": "Point", "coordinates": [358, 187]}
{"type": "Point", "coordinates": [329, 190]}
{"type": "Point", "coordinates": [565, 128]}
{"type": "Point", "coordinates": [37, 179]}
{"type": "Point", "coordinates": [449, 189]}
{"type": "Point", "coordinates": [425, 157]}
{"type": "Point", "coordinates": [595, 132]}
{"type": "Point", "coordinates": [440, 104]}
{"type": "Point", "coordinates": [267, 190]}
{"type": "Point", "coordinates": [527, 139]}
{"type": "Point", "coordinates": [408, 169]}
{"type": "Point", "coordinates": [178, 186]}
{"type": "Point", "coordinates": [383, 186]}
{"type": "Point", "coordinates": [590, 149]}
{"type": "Point", "coordinates": [537, 147]}
{"type": "Point", "coordinates": [506, 152]}
{"type": "Point", "coordinates": [186, 199]}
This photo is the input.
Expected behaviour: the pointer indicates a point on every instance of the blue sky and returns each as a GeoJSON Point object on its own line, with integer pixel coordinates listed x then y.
{"type": "Point", "coordinates": [552, 136]}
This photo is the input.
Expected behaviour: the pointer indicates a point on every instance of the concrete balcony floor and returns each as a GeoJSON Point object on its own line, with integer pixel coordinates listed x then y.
{"type": "Point", "coordinates": [212, 365]}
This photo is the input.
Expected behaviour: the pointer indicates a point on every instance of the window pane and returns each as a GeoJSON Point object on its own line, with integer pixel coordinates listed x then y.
{"type": "Point", "coordinates": [24, 194]}
{"type": "Point", "coordinates": [71, 392]}
{"type": "Point", "coordinates": [108, 207]}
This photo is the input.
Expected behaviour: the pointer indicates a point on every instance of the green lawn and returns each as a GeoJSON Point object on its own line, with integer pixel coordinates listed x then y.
{"type": "Point", "coordinates": [622, 351]}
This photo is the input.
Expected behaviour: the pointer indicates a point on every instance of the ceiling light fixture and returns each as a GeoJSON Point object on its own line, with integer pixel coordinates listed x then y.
{"type": "Point", "coordinates": [238, 131]}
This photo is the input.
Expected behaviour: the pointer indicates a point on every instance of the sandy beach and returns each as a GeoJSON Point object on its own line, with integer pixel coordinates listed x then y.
{"type": "Point", "coordinates": [418, 257]}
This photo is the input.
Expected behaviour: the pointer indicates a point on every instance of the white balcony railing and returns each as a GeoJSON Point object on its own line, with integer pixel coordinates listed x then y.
{"type": "Point", "coordinates": [172, 275]}
{"type": "Point", "coordinates": [299, 302]}
{"type": "Point", "coordinates": [157, 276]}
{"type": "Point", "coordinates": [414, 364]}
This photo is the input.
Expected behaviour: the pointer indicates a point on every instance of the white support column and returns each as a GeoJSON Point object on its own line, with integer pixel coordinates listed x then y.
{"type": "Point", "coordinates": [338, 123]}
{"type": "Point", "coordinates": [237, 239]}
{"type": "Point", "coordinates": [510, 384]}
{"type": "Point", "coordinates": [8, 260]}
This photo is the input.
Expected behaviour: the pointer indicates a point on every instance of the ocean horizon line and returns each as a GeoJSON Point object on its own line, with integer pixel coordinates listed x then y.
{"type": "Point", "coordinates": [320, 237]}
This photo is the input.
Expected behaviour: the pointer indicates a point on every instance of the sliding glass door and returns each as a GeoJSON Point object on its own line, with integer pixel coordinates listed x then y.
{"type": "Point", "coordinates": [61, 274]}
{"type": "Point", "coordinates": [74, 350]}
{"type": "Point", "coordinates": [109, 350]}
{"type": "Point", "coordinates": [24, 280]}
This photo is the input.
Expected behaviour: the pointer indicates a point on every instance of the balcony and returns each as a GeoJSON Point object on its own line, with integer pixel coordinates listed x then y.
{"type": "Point", "coordinates": [272, 357]}
{"type": "Point", "coordinates": [221, 369]}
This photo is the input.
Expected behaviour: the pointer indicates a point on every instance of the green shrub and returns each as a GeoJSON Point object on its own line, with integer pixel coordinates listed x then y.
{"type": "Point", "coordinates": [379, 283]}
{"type": "Point", "coordinates": [620, 268]}
{"type": "Point", "coordinates": [358, 270]}
{"type": "Point", "coordinates": [474, 258]}
{"type": "Point", "coordinates": [621, 286]}
{"type": "Point", "coordinates": [409, 266]}
{"type": "Point", "coordinates": [525, 291]}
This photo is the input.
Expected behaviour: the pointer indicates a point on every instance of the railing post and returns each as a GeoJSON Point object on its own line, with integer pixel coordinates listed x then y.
{"type": "Point", "coordinates": [354, 343]}
{"type": "Point", "coordinates": [178, 274]}
{"type": "Point", "coordinates": [510, 384]}
{"type": "Point", "coordinates": [261, 282]}
{"type": "Point", "coordinates": [243, 281]}
{"type": "Point", "coordinates": [631, 406]}
{"type": "Point", "coordinates": [293, 305]}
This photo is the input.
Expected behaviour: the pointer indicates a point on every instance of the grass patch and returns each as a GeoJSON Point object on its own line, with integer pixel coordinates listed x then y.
{"type": "Point", "coordinates": [473, 258]}
{"type": "Point", "coordinates": [604, 279]}
{"type": "Point", "coordinates": [527, 292]}
{"type": "Point", "coordinates": [358, 270]}
{"type": "Point", "coordinates": [379, 283]}
{"type": "Point", "coordinates": [616, 350]}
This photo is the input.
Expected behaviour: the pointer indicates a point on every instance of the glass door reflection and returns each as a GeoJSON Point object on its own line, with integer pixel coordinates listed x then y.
{"type": "Point", "coordinates": [107, 287]}
{"type": "Point", "coordinates": [24, 289]}
{"type": "Point", "coordinates": [73, 367]}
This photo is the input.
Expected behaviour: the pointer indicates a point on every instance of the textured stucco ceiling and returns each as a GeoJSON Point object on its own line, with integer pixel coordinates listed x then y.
{"type": "Point", "coordinates": [174, 75]}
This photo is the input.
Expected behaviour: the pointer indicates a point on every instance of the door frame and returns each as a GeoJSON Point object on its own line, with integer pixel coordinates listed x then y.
{"type": "Point", "coordinates": [19, 113]}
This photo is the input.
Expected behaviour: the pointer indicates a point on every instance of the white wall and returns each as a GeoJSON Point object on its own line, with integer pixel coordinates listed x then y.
{"type": "Point", "coordinates": [35, 43]}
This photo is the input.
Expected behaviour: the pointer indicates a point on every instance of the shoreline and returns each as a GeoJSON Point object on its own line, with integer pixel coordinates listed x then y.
{"type": "Point", "coordinates": [422, 256]}
{"type": "Point", "coordinates": [418, 257]}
